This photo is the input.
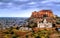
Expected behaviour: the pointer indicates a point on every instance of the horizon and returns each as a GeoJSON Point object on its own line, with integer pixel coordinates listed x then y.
{"type": "Point", "coordinates": [24, 8]}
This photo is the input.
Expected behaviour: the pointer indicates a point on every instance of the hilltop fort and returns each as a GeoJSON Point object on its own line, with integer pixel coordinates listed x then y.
{"type": "Point", "coordinates": [42, 13]}
{"type": "Point", "coordinates": [44, 19]}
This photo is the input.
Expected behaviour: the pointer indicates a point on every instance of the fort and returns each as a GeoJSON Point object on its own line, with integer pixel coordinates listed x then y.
{"type": "Point", "coordinates": [45, 19]}
{"type": "Point", "coordinates": [42, 13]}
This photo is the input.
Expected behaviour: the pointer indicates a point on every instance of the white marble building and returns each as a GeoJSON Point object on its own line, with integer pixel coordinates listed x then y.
{"type": "Point", "coordinates": [44, 24]}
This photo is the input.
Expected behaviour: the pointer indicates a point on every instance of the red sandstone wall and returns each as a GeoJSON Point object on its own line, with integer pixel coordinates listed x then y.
{"type": "Point", "coordinates": [41, 13]}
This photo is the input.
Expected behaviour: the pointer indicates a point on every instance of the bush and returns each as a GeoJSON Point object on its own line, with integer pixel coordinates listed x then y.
{"type": "Point", "coordinates": [37, 37]}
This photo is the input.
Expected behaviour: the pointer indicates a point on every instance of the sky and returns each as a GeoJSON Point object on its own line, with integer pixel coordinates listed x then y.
{"type": "Point", "coordinates": [24, 8]}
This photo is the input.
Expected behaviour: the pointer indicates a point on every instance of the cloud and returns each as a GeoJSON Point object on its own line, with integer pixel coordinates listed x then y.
{"type": "Point", "coordinates": [53, 0]}
{"type": "Point", "coordinates": [45, 2]}
{"type": "Point", "coordinates": [27, 4]}
{"type": "Point", "coordinates": [6, 1]}
{"type": "Point", "coordinates": [20, 5]}
{"type": "Point", "coordinates": [32, 3]}
{"type": "Point", "coordinates": [21, 0]}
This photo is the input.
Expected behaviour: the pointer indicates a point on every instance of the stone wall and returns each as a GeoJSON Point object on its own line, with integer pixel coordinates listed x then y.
{"type": "Point", "coordinates": [42, 13]}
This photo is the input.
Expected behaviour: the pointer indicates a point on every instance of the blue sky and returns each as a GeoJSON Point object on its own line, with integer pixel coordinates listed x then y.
{"type": "Point", "coordinates": [24, 8]}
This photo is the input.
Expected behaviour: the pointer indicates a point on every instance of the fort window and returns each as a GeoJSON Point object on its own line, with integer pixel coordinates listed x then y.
{"type": "Point", "coordinates": [45, 15]}
{"type": "Point", "coordinates": [53, 25]}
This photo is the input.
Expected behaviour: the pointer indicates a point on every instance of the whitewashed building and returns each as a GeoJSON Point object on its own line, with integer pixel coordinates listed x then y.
{"type": "Point", "coordinates": [44, 24]}
{"type": "Point", "coordinates": [25, 28]}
